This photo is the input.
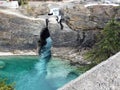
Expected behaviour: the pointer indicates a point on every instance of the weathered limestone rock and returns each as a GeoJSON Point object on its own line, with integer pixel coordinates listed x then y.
{"type": "Point", "coordinates": [102, 14]}
{"type": "Point", "coordinates": [78, 17]}
{"type": "Point", "coordinates": [91, 18]}
{"type": "Point", "coordinates": [71, 54]}
{"type": "Point", "coordinates": [83, 24]}
{"type": "Point", "coordinates": [105, 76]}
{"type": "Point", "coordinates": [65, 37]}
{"type": "Point", "coordinates": [35, 9]}
{"type": "Point", "coordinates": [20, 33]}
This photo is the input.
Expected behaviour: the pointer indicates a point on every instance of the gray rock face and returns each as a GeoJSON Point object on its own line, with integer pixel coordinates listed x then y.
{"type": "Point", "coordinates": [105, 76]}
{"type": "Point", "coordinates": [22, 34]}
{"type": "Point", "coordinates": [19, 33]}
{"type": "Point", "coordinates": [86, 39]}
{"type": "Point", "coordinates": [83, 24]}
{"type": "Point", "coordinates": [91, 18]}
{"type": "Point", "coordinates": [71, 54]}
{"type": "Point", "coordinates": [63, 38]}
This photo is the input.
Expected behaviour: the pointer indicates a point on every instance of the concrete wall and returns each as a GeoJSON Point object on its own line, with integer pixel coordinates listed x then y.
{"type": "Point", "coordinates": [105, 76]}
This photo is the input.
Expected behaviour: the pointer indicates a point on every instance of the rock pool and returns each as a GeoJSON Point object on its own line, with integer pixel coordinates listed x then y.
{"type": "Point", "coordinates": [21, 70]}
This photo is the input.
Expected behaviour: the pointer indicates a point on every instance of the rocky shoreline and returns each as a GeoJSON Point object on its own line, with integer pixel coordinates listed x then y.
{"type": "Point", "coordinates": [72, 54]}
{"type": "Point", "coordinates": [19, 34]}
{"type": "Point", "coordinates": [18, 52]}
{"type": "Point", "coordinates": [67, 53]}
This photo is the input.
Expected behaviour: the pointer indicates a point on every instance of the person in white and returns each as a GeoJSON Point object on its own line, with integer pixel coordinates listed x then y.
{"type": "Point", "coordinates": [56, 12]}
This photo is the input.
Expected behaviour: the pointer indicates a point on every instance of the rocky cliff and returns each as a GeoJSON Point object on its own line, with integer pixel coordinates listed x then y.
{"type": "Point", "coordinates": [81, 25]}
{"type": "Point", "coordinates": [17, 33]}
{"type": "Point", "coordinates": [21, 33]}
{"type": "Point", "coordinates": [90, 18]}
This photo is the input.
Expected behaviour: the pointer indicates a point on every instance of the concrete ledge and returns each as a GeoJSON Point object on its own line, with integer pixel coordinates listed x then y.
{"type": "Point", "coordinates": [105, 76]}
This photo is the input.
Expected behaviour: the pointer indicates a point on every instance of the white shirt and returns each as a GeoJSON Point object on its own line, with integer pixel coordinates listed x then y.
{"type": "Point", "coordinates": [55, 11]}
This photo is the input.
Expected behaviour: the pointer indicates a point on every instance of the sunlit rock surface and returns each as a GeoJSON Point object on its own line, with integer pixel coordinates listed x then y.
{"type": "Point", "coordinates": [95, 17]}
{"type": "Point", "coordinates": [105, 76]}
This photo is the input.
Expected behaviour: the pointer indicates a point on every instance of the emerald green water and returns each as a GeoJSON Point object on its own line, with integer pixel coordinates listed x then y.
{"type": "Point", "coordinates": [20, 69]}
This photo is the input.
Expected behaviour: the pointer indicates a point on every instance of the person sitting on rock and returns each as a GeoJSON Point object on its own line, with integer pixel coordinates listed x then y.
{"type": "Point", "coordinates": [58, 13]}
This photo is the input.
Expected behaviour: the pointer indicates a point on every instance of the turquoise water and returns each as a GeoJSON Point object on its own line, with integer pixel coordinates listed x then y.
{"type": "Point", "coordinates": [21, 70]}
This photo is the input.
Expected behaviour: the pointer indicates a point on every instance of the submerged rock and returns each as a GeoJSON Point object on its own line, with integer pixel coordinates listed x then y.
{"type": "Point", "coordinates": [2, 64]}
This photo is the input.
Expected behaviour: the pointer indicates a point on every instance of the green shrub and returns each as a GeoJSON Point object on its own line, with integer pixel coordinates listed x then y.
{"type": "Point", "coordinates": [107, 45]}
{"type": "Point", "coordinates": [5, 86]}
